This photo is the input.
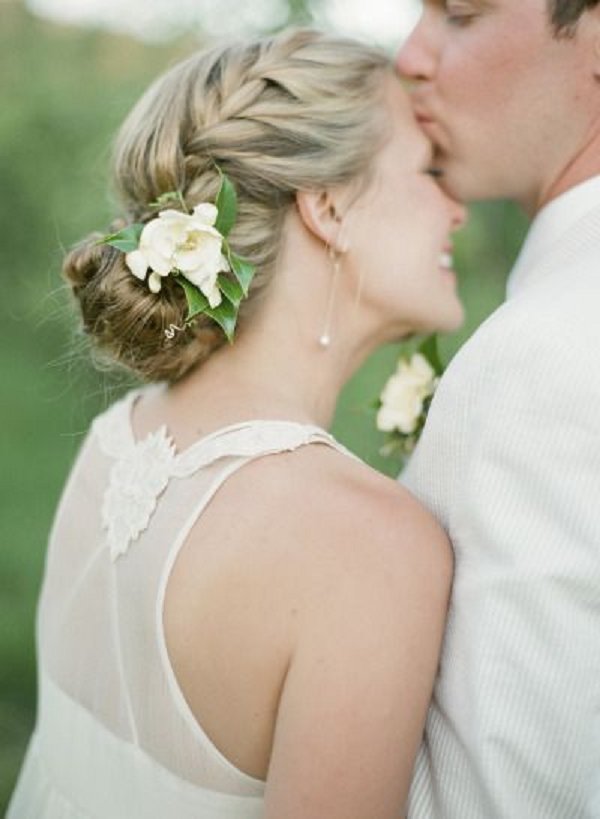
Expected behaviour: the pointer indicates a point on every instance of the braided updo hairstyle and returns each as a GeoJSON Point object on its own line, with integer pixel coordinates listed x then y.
{"type": "Point", "coordinates": [298, 111]}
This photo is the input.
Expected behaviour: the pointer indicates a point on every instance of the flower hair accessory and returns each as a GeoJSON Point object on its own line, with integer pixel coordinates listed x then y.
{"type": "Point", "coordinates": [405, 400]}
{"type": "Point", "coordinates": [193, 249]}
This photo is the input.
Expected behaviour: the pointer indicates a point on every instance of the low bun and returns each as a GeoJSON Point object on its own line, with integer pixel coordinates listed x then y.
{"type": "Point", "coordinates": [84, 261]}
{"type": "Point", "coordinates": [127, 323]}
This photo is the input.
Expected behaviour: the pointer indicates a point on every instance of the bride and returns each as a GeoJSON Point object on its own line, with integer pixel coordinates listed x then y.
{"type": "Point", "coordinates": [238, 617]}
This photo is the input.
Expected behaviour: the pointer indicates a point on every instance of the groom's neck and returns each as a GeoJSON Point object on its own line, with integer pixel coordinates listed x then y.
{"type": "Point", "coordinates": [584, 165]}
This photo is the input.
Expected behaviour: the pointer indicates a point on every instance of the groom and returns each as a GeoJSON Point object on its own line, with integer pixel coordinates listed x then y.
{"type": "Point", "coordinates": [509, 91]}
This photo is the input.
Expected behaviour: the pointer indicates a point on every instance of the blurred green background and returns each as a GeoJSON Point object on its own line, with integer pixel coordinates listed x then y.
{"type": "Point", "coordinates": [65, 90]}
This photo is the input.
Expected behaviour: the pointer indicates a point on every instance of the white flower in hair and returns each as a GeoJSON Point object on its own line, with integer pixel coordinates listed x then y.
{"type": "Point", "coordinates": [188, 243]}
{"type": "Point", "coordinates": [193, 248]}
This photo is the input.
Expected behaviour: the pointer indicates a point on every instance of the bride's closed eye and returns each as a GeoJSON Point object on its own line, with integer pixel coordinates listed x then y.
{"type": "Point", "coordinates": [435, 172]}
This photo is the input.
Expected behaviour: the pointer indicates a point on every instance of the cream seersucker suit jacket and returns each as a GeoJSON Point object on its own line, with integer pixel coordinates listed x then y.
{"type": "Point", "coordinates": [509, 462]}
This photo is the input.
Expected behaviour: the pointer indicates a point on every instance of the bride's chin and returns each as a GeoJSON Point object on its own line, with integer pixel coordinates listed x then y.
{"type": "Point", "coordinates": [450, 322]}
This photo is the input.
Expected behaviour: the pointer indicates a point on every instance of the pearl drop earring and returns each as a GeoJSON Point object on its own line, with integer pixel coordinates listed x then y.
{"type": "Point", "coordinates": [325, 337]}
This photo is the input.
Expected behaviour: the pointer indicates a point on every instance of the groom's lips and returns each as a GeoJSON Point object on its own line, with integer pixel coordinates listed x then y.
{"type": "Point", "coordinates": [421, 109]}
{"type": "Point", "coordinates": [429, 125]}
{"type": "Point", "coordinates": [422, 117]}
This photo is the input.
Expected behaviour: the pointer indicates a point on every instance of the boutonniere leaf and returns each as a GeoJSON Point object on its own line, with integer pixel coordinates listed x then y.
{"type": "Point", "coordinates": [430, 350]}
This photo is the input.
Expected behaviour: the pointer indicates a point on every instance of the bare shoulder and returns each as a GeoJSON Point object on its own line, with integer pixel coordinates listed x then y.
{"type": "Point", "coordinates": [374, 572]}
{"type": "Point", "coordinates": [330, 584]}
{"type": "Point", "coordinates": [330, 512]}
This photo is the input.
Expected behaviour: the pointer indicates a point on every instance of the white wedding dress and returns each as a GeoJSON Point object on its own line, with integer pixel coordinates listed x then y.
{"type": "Point", "coordinates": [115, 738]}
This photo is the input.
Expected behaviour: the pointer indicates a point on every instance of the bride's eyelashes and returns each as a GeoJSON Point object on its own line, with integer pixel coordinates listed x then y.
{"type": "Point", "coordinates": [435, 172]}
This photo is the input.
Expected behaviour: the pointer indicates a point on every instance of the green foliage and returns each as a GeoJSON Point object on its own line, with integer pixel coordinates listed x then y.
{"type": "Point", "coordinates": [225, 314]}
{"type": "Point", "coordinates": [430, 349]}
{"type": "Point", "coordinates": [125, 240]}
{"type": "Point", "coordinates": [226, 205]}
{"type": "Point", "coordinates": [242, 270]}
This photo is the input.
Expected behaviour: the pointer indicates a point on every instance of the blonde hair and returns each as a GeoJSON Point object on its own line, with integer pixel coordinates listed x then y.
{"type": "Point", "coordinates": [301, 110]}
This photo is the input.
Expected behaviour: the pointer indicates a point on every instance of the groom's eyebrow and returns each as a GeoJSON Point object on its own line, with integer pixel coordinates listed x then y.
{"type": "Point", "coordinates": [443, 4]}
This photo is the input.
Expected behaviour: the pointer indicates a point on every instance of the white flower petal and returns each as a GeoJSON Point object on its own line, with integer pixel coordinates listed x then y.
{"type": "Point", "coordinates": [213, 294]}
{"type": "Point", "coordinates": [385, 420]}
{"type": "Point", "coordinates": [206, 213]}
{"type": "Point", "coordinates": [422, 368]}
{"type": "Point", "coordinates": [390, 419]}
{"type": "Point", "coordinates": [137, 263]}
{"type": "Point", "coordinates": [174, 215]}
{"type": "Point", "coordinates": [155, 282]}
{"type": "Point", "coordinates": [159, 263]}
{"type": "Point", "coordinates": [205, 257]}
{"type": "Point", "coordinates": [162, 236]}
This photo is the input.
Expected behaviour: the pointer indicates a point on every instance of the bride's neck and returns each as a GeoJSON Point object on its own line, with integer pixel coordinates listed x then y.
{"type": "Point", "coordinates": [277, 368]}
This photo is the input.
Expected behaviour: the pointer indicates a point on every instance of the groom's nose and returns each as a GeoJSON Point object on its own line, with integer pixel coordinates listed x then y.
{"type": "Point", "coordinates": [416, 59]}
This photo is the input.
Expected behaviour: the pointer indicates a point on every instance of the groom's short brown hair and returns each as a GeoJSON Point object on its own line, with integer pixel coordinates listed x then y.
{"type": "Point", "coordinates": [566, 13]}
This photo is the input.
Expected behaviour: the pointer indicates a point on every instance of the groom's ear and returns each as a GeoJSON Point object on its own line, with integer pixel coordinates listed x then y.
{"type": "Point", "coordinates": [319, 212]}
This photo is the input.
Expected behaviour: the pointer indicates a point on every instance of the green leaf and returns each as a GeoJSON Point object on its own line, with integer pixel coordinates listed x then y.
{"type": "Point", "coordinates": [226, 205]}
{"type": "Point", "coordinates": [196, 300]}
{"type": "Point", "coordinates": [225, 314]}
{"type": "Point", "coordinates": [226, 317]}
{"type": "Point", "coordinates": [429, 348]}
{"type": "Point", "coordinates": [125, 240]}
{"type": "Point", "coordinates": [242, 270]}
{"type": "Point", "coordinates": [231, 289]}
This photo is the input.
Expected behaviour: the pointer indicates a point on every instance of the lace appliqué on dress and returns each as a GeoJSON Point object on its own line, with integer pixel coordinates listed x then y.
{"type": "Point", "coordinates": [137, 479]}
{"type": "Point", "coordinates": [142, 469]}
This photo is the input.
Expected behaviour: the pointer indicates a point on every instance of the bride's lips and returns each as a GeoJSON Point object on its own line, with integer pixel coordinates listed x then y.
{"type": "Point", "coordinates": [446, 263]}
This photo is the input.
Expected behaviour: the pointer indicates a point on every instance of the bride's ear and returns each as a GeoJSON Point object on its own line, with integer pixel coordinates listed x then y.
{"type": "Point", "coordinates": [320, 214]}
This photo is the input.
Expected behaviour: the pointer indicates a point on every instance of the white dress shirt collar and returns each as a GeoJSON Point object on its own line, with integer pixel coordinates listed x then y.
{"type": "Point", "coordinates": [550, 224]}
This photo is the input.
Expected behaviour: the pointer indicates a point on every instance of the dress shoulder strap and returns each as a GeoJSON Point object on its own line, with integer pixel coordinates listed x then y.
{"type": "Point", "coordinates": [141, 470]}
{"type": "Point", "coordinates": [253, 439]}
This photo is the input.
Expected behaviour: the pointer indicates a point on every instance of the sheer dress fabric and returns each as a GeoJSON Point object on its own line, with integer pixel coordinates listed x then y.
{"type": "Point", "coordinates": [115, 738]}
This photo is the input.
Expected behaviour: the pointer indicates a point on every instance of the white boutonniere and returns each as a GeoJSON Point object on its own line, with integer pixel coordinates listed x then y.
{"type": "Point", "coordinates": [406, 397]}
